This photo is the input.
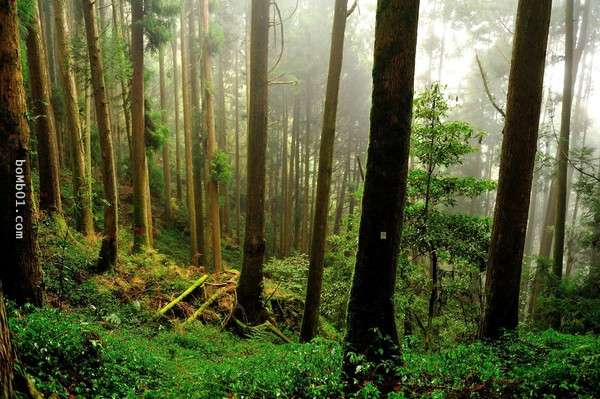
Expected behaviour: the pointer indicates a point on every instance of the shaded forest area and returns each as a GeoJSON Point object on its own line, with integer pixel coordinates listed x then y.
{"type": "Point", "coordinates": [299, 199]}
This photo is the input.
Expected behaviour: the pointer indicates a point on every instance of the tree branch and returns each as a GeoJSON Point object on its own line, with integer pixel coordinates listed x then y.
{"type": "Point", "coordinates": [490, 96]}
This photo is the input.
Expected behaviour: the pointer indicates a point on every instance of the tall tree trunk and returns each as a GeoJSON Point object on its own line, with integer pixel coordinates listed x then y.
{"type": "Point", "coordinates": [305, 229]}
{"type": "Point", "coordinates": [108, 252]}
{"type": "Point", "coordinates": [222, 143]}
{"type": "Point", "coordinates": [211, 144]}
{"type": "Point", "coordinates": [21, 275]}
{"type": "Point", "coordinates": [44, 118]}
{"type": "Point", "coordinates": [285, 192]}
{"type": "Point", "coordinates": [138, 162]}
{"type": "Point", "coordinates": [297, 219]}
{"type": "Point", "coordinates": [187, 133]}
{"type": "Point", "coordinates": [196, 112]}
{"type": "Point", "coordinates": [371, 323]}
{"type": "Point", "coordinates": [530, 235]}
{"type": "Point", "coordinates": [176, 117]}
{"type": "Point", "coordinates": [250, 287]}
{"type": "Point", "coordinates": [563, 145]}
{"type": "Point", "coordinates": [519, 145]}
{"type": "Point", "coordinates": [237, 148]}
{"type": "Point", "coordinates": [165, 149]}
{"type": "Point", "coordinates": [310, 320]}
{"type": "Point", "coordinates": [83, 196]}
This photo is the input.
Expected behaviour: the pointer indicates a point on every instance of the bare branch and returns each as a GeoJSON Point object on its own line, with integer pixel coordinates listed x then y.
{"type": "Point", "coordinates": [490, 96]}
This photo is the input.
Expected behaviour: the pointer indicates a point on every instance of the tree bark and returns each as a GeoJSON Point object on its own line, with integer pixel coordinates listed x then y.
{"type": "Point", "coordinates": [165, 149]}
{"type": "Point", "coordinates": [21, 275]}
{"type": "Point", "coordinates": [196, 112]}
{"type": "Point", "coordinates": [519, 145]}
{"type": "Point", "coordinates": [222, 143]}
{"type": "Point", "coordinates": [141, 237]}
{"type": "Point", "coordinates": [82, 194]}
{"type": "Point", "coordinates": [108, 252]}
{"type": "Point", "coordinates": [563, 145]}
{"type": "Point", "coordinates": [371, 323]}
{"type": "Point", "coordinates": [237, 149]}
{"type": "Point", "coordinates": [47, 149]}
{"type": "Point", "coordinates": [211, 144]}
{"type": "Point", "coordinates": [310, 320]}
{"type": "Point", "coordinates": [285, 192]}
{"type": "Point", "coordinates": [187, 134]}
{"type": "Point", "coordinates": [250, 286]}
{"type": "Point", "coordinates": [176, 117]}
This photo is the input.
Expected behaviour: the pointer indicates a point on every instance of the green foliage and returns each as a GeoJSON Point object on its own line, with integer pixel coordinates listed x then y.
{"type": "Point", "coordinates": [221, 170]}
{"type": "Point", "coordinates": [156, 132]}
{"type": "Point", "coordinates": [159, 17]}
{"type": "Point", "coordinates": [67, 357]}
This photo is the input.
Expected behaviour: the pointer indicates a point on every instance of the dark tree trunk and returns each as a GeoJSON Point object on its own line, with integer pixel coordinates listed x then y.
{"type": "Point", "coordinates": [310, 320]}
{"type": "Point", "coordinates": [44, 118]}
{"type": "Point", "coordinates": [371, 322]}
{"type": "Point", "coordinates": [250, 287]}
{"type": "Point", "coordinates": [21, 274]}
{"type": "Point", "coordinates": [108, 252]}
{"type": "Point", "coordinates": [519, 145]}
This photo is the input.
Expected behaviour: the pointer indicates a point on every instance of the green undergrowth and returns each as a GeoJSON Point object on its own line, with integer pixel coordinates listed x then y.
{"type": "Point", "coordinates": [67, 354]}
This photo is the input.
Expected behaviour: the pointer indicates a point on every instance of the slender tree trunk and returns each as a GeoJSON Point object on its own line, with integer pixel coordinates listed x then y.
{"type": "Point", "coordinates": [176, 118]}
{"type": "Point", "coordinates": [44, 118]}
{"type": "Point", "coordinates": [371, 323]}
{"type": "Point", "coordinates": [563, 145]}
{"type": "Point", "coordinates": [310, 320]}
{"type": "Point", "coordinates": [237, 149]}
{"type": "Point", "coordinates": [305, 229]}
{"type": "Point", "coordinates": [519, 145]}
{"type": "Point", "coordinates": [141, 237]}
{"type": "Point", "coordinates": [108, 252]}
{"type": "Point", "coordinates": [339, 206]}
{"type": "Point", "coordinates": [187, 133]}
{"type": "Point", "coordinates": [222, 143]}
{"type": "Point", "coordinates": [165, 149]}
{"type": "Point", "coordinates": [530, 235]}
{"type": "Point", "coordinates": [211, 144]}
{"type": "Point", "coordinates": [21, 275]}
{"type": "Point", "coordinates": [297, 219]}
{"type": "Point", "coordinates": [198, 158]}
{"type": "Point", "coordinates": [250, 287]}
{"type": "Point", "coordinates": [83, 197]}
{"type": "Point", "coordinates": [285, 193]}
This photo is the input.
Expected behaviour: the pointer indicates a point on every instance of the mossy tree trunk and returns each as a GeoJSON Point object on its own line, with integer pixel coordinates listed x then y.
{"type": "Point", "coordinates": [43, 112]}
{"type": "Point", "coordinates": [107, 259]}
{"type": "Point", "coordinates": [21, 274]}
{"type": "Point", "coordinates": [82, 194]}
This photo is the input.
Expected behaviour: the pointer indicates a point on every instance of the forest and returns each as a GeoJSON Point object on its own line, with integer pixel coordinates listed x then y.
{"type": "Point", "coordinates": [300, 199]}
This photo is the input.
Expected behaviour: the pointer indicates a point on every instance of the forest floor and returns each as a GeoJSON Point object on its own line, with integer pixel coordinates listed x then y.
{"type": "Point", "coordinates": [100, 337]}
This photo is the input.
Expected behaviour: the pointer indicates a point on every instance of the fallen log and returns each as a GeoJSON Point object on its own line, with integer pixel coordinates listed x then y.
{"type": "Point", "coordinates": [220, 292]}
{"type": "Point", "coordinates": [185, 293]}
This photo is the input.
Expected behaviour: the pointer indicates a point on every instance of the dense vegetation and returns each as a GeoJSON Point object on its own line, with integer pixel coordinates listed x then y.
{"type": "Point", "coordinates": [207, 199]}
